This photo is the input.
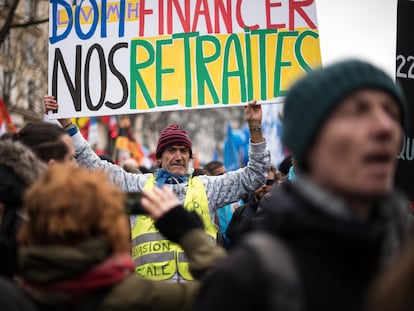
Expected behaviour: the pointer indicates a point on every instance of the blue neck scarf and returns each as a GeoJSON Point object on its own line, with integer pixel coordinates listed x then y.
{"type": "Point", "coordinates": [164, 177]}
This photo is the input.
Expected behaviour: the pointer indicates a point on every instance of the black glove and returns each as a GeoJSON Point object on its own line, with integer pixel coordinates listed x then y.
{"type": "Point", "coordinates": [176, 222]}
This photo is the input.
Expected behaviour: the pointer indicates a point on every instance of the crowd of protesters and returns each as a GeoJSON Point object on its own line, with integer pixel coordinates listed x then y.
{"type": "Point", "coordinates": [325, 230]}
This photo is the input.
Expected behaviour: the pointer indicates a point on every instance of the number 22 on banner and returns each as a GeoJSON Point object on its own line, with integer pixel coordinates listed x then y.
{"type": "Point", "coordinates": [402, 64]}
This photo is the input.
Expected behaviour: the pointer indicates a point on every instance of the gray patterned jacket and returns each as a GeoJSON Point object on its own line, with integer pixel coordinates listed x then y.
{"type": "Point", "coordinates": [220, 190]}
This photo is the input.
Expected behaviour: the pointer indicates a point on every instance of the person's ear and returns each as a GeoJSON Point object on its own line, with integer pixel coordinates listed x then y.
{"type": "Point", "coordinates": [51, 162]}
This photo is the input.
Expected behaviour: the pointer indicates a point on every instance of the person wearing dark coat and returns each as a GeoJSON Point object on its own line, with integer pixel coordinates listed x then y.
{"type": "Point", "coordinates": [320, 241]}
{"type": "Point", "coordinates": [19, 168]}
{"type": "Point", "coordinates": [241, 220]}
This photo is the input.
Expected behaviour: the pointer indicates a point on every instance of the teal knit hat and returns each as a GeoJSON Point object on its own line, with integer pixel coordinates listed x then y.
{"type": "Point", "coordinates": [311, 99]}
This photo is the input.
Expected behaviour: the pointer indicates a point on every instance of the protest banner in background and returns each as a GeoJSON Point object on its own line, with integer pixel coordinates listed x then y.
{"type": "Point", "coordinates": [405, 77]}
{"type": "Point", "coordinates": [133, 56]}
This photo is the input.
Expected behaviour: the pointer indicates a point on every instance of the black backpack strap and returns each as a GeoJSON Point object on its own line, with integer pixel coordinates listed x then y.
{"type": "Point", "coordinates": [281, 278]}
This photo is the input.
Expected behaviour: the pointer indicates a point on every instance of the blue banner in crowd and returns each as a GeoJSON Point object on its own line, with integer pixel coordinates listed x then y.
{"type": "Point", "coordinates": [231, 157]}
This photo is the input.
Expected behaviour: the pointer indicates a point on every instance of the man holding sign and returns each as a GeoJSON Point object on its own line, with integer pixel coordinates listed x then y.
{"type": "Point", "coordinates": [152, 56]}
{"type": "Point", "coordinates": [155, 257]}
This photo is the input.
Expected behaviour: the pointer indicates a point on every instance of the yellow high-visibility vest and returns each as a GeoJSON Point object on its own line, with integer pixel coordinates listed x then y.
{"type": "Point", "coordinates": [157, 258]}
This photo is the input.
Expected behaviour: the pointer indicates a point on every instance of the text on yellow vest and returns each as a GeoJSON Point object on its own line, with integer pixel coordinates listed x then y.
{"type": "Point", "coordinates": [157, 258]}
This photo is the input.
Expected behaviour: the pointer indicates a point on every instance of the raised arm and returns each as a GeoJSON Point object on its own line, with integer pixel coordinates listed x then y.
{"type": "Point", "coordinates": [234, 185]}
{"type": "Point", "coordinates": [51, 104]}
{"type": "Point", "coordinates": [86, 157]}
{"type": "Point", "coordinates": [253, 116]}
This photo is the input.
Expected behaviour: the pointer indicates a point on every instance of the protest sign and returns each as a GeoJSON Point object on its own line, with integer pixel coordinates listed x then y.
{"type": "Point", "coordinates": [405, 77]}
{"type": "Point", "coordinates": [133, 56]}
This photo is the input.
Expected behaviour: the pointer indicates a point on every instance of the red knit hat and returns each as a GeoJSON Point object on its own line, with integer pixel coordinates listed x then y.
{"type": "Point", "coordinates": [172, 135]}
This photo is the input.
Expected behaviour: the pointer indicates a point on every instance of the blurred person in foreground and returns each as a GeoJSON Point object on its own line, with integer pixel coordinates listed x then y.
{"type": "Point", "coordinates": [155, 257]}
{"type": "Point", "coordinates": [339, 222]}
{"type": "Point", "coordinates": [75, 247]}
{"type": "Point", "coordinates": [19, 168]}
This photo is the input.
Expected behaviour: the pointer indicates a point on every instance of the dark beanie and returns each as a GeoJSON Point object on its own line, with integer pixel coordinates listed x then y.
{"type": "Point", "coordinates": [312, 99]}
{"type": "Point", "coordinates": [172, 135]}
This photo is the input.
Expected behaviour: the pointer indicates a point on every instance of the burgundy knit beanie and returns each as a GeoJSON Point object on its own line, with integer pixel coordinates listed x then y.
{"type": "Point", "coordinates": [172, 135]}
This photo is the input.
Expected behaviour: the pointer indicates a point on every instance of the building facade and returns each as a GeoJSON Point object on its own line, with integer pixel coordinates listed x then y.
{"type": "Point", "coordinates": [24, 59]}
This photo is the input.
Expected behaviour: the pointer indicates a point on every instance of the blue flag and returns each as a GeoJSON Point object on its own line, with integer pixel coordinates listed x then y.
{"type": "Point", "coordinates": [272, 130]}
{"type": "Point", "coordinates": [230, 155]}
{"type": "Point", "coordinates": [215, 156]}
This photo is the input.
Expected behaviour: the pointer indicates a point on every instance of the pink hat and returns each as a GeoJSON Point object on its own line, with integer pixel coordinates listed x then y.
{"type": "Point", "coordinates": [172, 135]}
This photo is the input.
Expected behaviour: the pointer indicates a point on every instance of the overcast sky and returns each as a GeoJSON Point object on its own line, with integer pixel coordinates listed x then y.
{"type": "Point", "coordinates": [358, 28]}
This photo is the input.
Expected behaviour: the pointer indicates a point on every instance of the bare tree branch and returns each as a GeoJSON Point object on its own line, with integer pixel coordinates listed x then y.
{"type": "Point", "coordinates": [30, 23]}
{"type": "Point", "coordinates": [4, 31]}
